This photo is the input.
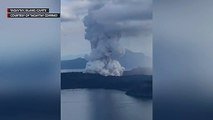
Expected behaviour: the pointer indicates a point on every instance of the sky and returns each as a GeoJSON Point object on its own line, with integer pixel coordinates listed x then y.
{"type": "Point", "coordinates": [133, 17]}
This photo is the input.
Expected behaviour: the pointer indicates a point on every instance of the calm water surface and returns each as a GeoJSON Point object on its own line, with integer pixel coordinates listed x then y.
{"type": "Point", "coordinates": [98, 104]}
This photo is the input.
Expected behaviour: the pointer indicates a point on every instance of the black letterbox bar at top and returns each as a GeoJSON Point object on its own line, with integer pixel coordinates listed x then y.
{"type": "Point", "coordinates": [10, 10]}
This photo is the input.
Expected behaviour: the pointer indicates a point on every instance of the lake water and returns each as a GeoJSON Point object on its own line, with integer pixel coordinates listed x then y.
{"type": "Point", "coordinates": [99, 104]}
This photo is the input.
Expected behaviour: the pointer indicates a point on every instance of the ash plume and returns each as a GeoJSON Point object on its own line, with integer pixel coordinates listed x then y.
{"type": "Point", "coordinates": [105, 48]}
{"type": "Point", "coordinates": [105, 24]}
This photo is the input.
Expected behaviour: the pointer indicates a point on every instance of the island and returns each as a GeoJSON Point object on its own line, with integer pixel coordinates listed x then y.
{"type": "Point", "coordinates": [134, 85]}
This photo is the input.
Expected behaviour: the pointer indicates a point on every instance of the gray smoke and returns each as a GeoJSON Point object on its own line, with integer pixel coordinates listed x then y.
{"type": "Point", "coordinates": [105, 24]}
{"type": "Point", "coordinates": [105, 48]}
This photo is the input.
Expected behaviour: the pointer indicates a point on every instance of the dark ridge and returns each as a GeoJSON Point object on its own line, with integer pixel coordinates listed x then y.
{"type": "Point", "coordinates": [135, 85]}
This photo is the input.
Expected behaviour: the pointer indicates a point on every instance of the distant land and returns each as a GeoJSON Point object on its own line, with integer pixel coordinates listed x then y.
{"type": "Point", "coordinates": [130, 61]}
